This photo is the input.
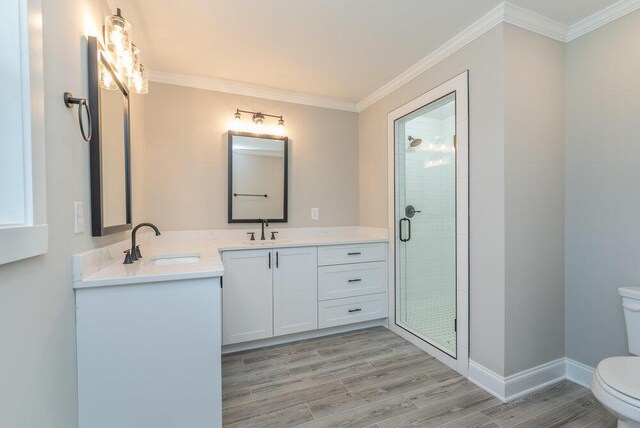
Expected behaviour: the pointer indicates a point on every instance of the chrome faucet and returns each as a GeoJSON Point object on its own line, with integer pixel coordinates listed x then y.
{"type": "Point", "coordinates": [265, 223]}
{"type": "Point", "coordinates": [135, 249]}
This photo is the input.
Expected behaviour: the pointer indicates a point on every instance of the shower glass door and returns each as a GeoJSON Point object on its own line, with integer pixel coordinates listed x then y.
{"type": "Point", "coordinates": [425, 208]}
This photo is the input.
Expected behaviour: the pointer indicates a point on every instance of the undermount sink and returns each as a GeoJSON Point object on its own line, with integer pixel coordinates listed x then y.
{"type": "Point", "coordinates": [175, 260]}
{"type": "Point", "coordinates": [266, 242]}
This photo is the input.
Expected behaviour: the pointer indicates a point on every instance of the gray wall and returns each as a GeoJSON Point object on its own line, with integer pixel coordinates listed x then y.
{"type": "Point", "coordinates": [517, 131]}
{"type": "Point", "coordinates": [186, 159]}
{"type": "Point", "coordinates": [602, 176]}
{"type": "Point", "coordinates": [37, 309]}
{"type": "Point", "coordinates": [484, 58]}
{"type": "Point", "coordinates": [534, 198]}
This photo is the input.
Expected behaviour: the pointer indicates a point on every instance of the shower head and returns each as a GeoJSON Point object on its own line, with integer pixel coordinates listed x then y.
{"type": "Point", "coordinates": [414, 142]}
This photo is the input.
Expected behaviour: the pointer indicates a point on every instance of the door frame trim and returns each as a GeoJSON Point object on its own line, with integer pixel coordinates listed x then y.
{"type": "Point", "coordinates": [459, 85]}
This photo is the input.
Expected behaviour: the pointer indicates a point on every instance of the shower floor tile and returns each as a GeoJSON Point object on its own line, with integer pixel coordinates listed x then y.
{"type": "Point", "coordinates": [433, 317]}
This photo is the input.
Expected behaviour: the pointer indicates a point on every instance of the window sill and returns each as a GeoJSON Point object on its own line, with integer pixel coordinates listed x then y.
{"type": "Point", "coordinates": [23, 242]}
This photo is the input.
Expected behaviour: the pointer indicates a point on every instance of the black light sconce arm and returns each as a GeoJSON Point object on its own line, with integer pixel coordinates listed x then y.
{"type": "Point", "coordinates": [70, 101]}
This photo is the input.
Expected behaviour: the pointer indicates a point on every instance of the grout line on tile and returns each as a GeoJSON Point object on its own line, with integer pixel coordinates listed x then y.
{"type": "Point", "coordinates": [312, 415]}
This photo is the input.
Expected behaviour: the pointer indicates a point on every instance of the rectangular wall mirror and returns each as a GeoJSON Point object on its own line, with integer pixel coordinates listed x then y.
{"type": "Point", "coordinates": [110, 149]}
{"type": "Point", "coordinates": [258, 178]}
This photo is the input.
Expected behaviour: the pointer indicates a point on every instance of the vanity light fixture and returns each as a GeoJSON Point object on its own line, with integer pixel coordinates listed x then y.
{"type": "Point", "coordinates": [123, 54]}
{"type": "Point", "coordinates": [258, 125]}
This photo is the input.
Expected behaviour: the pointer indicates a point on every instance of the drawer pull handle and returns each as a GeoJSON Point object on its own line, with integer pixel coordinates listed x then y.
{"type": "Point", "coordinates": [355, 310]}
{"type": "Point", "coordinates": [354, 254]}
{"type": "Point", "coordinates": [355, 280]}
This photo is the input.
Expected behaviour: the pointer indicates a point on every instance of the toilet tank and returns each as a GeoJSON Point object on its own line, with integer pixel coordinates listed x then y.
{"type": "Point", "coordinates": [631, 307]}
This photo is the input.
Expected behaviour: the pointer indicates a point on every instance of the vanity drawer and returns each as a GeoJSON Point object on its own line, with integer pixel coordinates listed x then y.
{"type": "Point", "coordinates": [357, 253]}
{"type": "Point", "coordinates": [332, 313]}
{"type": "Point", "coordinates": [336, 282]}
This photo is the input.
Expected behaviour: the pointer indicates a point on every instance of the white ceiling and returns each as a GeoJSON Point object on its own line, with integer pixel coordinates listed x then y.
{"type": "Point", "coordinates": [566, 11]}
{"type": "Point", "coordinates": [339, 49]}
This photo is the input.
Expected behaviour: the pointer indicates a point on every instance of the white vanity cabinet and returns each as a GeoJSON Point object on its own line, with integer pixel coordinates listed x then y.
{"type": "Point", "coordinates": [247, 296]}
{"type": "Point", "coordinates": [149, 355]}
{"type": "Point", "coordinates": [282, 291]}
{"type": "Point", "coordinates": [295, 290]}
{"type": "Point", "coordinates": [352, 284]}
{"type": "Point", "coordinates": [269, 293]}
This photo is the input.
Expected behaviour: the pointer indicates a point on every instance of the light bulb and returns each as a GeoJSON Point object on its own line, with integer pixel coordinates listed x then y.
{"type": "Point", "coordinates": [106, 79]}
{"type": "Point", "coordinates": [280, 129]}
{"type": "Point", "coordinates": [117, 34]}
{"type": "Point", "coordinates": [237, 122]}
{"type": "Point", "coordinates": [138, 81]}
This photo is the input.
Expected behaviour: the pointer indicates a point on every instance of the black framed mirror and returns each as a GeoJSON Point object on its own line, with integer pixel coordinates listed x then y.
{"type": "Point", "coordinates": [110, 146]}
{"type": "Point", "coordinates": [258, 178]}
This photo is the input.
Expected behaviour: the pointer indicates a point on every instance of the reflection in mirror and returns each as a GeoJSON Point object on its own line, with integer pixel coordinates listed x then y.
{"type": "Point", "coordinates": [257, 178]}
{"type": "Point", "coordinates": [114, 179]}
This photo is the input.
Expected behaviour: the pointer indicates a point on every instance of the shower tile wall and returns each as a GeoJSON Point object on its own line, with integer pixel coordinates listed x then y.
{"type": "Point", "coordinates": [429, 188]}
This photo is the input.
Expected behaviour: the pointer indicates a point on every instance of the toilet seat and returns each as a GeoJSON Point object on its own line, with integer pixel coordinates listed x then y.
{"type": "Point", "coordinates": [613, 387]}
{"type": "Point", "coordinates": [622, 374]}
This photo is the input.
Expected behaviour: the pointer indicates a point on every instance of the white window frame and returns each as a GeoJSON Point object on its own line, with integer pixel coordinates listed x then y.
{"type": "Point", "coordinates": [31, 238]}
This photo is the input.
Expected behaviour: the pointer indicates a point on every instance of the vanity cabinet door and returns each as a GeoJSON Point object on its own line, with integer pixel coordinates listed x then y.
{"type": "Point", "coordinates": [295, 290]}
{"type": "Point", "coordinates": [247, 296]}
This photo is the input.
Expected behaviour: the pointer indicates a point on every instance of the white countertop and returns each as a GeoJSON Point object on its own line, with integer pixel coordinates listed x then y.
{"type": "Point", "coordinates": [103, 267]}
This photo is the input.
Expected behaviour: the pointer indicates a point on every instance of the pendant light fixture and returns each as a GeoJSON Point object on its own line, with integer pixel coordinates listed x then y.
{"type": "Point", "coordinates": [117, 36]}
{"type": "Point", "coordinates": [123, 55]}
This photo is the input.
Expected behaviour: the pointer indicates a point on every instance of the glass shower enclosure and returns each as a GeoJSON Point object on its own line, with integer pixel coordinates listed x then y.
{"type": "Point", "coordinates": [425, 212]}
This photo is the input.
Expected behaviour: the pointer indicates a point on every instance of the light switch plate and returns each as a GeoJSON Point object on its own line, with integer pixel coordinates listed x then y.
{"type": "Point", "coordinates": [315, 213]}
{"type": "Point", "coordinates": [78, 217]}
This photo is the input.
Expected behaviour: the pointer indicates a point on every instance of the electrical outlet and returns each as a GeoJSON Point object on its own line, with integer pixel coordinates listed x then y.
{"type": "Point", "coordinates": [315, 213]}
{"type": "Point", "coordinates": [78, 217]}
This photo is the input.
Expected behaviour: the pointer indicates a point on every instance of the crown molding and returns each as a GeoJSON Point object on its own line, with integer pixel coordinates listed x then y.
{"type": "Point", "coordinates": [506, 12]}
{"type": "Point", "coordinates": [535, 22]}
{"type": "Point", "coordinates": [603, 17]}
{"type": "Point", "coordinates": [478, 28]}
{"type": "Point", "coordinates": [238, 88]}
{"type": "Point", "coordinates": [512, 14]}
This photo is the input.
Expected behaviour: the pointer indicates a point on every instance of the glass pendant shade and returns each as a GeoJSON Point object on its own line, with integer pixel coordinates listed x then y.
{"type": "Point", "coordinates": [125, 63]}
{"type": "Point", "coordinates": [117, 35]}
{"type": "Point", "coordinates": [138, 81]}
{"type": "Point", "coordinates": [106, 79]}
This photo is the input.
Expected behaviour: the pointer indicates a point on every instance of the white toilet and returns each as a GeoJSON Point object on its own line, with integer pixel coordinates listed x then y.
{"type": "Point", "coordinates": [616, 382]}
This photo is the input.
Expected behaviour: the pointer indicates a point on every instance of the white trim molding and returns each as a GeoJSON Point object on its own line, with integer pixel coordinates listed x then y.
{"type": "Point", "coordinates": [477, 29]}
{"type": "Point", "coordinates": [603, 17]}
{"type": "Point", "coordinates": [579, 373]}
{"type": "Point", "coordinates": [238, 88]}
{"type": "Point", "coordinates": [517, 385]}
{"type": "Point", "coordinates": [460, 86]}
{"type": "Point", "coordinates": [534, 22]}
{"type": "Point", "coordinates": [505, 12]}
{"type": "Point", "coordinates": [29, 237]}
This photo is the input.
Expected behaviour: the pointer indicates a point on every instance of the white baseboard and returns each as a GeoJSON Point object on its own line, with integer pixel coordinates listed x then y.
{"type": "Point", "coordinates": [488, 380]}
{"type": "Point", "coordinates": [579, 373]}
{"type": "Point", "coordinates": [245, 346]}
{"type": "Point", "coordinates": [517, 385]}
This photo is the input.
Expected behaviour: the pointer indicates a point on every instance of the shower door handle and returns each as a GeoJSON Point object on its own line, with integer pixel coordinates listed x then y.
{"type": "Point", "coordinates": [408, 238]}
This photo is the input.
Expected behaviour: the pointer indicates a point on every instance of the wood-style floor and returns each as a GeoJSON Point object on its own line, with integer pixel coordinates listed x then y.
{"type": "Point", "coordinates": [374, 378]}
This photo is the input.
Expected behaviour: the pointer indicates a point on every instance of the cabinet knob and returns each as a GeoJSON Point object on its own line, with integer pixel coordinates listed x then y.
{"type": "Point", "coordinates": [355, 310]}
{"type": "Point", "coordinates": [354, 254]}
{"type": "Point", "coordinates": [355, 280]}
